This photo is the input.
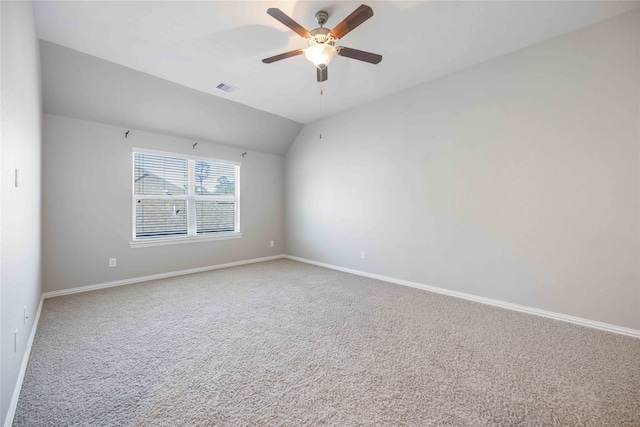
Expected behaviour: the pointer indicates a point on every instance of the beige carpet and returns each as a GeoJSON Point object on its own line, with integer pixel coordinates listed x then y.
{"type": "Point", "coordinates": [283, 343]}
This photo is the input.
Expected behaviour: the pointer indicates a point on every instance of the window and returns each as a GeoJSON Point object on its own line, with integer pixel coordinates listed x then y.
{"type": "Point", "coordinates": [178, 198]}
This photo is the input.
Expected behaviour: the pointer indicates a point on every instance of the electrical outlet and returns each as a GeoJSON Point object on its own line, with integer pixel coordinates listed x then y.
{"type": "Point", "coordinates": [272, 244]}
{"type": "Point", "coordinates": [363, 255]}
{"type": "Point", "coordinates": [112, 262]}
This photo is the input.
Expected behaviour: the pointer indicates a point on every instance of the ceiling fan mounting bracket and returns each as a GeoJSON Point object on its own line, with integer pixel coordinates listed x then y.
{"type": "Point", "coordinates": [321, 17]}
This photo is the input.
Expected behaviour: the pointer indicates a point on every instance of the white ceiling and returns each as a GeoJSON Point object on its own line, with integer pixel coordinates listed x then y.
{"type": "Point", "coordinates": [201, 44]}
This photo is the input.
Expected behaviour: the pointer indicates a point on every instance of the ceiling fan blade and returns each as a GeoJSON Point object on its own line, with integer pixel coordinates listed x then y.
{"type": "Point", "coordinates": [360, 55]}
{"type": "Point", "coordinates": [283, 56]}
{"type": "Point", "coordinates": [282, 17]}
{"type": "Point", "coordinates": [322, 74]}
{"type": "Point", "coordinates": [357, 17]}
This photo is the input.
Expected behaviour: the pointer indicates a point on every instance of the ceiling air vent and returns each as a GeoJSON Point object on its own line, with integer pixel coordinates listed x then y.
{"type": "Point", "coordinates": [227, 88]}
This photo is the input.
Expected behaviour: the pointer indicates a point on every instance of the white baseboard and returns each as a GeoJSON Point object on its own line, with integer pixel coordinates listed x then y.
{"type": "Point", "coordinates": [25, 360]}
{"type": "Point", "coordinates": [155, 277]}
{"type": "Point", "coordinates": [23, 369]}
{"type": "Point", "coordinates": [497, 303]}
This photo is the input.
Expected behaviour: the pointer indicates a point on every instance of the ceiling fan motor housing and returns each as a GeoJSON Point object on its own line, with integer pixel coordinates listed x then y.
{"type": "Point", "coordinates": [321, 35]}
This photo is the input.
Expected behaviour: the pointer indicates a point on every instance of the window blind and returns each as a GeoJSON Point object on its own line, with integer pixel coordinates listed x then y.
{"type": "Point", "coordinates": [160, 175]}
{"type": "Point", "coordinates": [214, 178]}
{"type": "Point", "coordinates": [214, 216]}
{"type": "Point", "coordinates": [181, 197]}
{"type": "Point", "coordinates": [161, 218]}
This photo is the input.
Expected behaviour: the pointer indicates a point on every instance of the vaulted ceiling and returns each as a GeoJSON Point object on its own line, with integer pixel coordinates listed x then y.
{"type": "Point", "coordinates": [201, 44]}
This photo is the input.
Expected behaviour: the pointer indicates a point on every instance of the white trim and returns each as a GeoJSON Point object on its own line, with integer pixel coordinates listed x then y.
{"type": "Point", "coordinates": [25, 359]}
{"type": "Point", "coordinates": [191, 202]}
{"type": "Point", "coordinates": [190, 199]}
{"type": "Point", "coordinates": [635, 333]}
{"type": "Point", "coordinates": [237, 195]}
{"type": "Point", "coordinates": [155, 277]}
{"type": "Point", "coordinates": [23, 369]}
{"type": "Point", "coordinates": [179, 240]}
{"type": "Point", "coordinates": [497, 303]}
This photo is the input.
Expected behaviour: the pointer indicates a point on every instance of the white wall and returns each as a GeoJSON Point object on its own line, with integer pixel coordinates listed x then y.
{"type": "Point", "coordinates": [20, 276]}
{"type": "Point", "coordinates": [516, 179]}
{"type": "Point", "coordinates": [87, 215]}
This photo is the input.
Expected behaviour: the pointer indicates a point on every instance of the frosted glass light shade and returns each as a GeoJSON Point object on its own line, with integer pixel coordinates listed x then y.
{"type": "Point", "coordinates": [320, 54]}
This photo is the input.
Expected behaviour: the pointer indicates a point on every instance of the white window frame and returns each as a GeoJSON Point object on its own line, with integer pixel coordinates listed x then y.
{"type": "Point", "coordinates": [190, 197]}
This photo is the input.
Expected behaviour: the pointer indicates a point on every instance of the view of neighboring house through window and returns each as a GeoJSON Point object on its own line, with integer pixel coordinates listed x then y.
{"type": "Point", "coordinates": [176, 196]}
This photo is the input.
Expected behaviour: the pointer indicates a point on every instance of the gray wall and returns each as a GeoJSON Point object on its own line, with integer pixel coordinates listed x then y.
{"type": "Point", "coordinates": [516, 179]}
{"type": "Point", "coordinates": [20, 278]}
{"type": "Point", "coordinates": [87, 216]}
{"type": "Point", "coordinates": [78, 85]}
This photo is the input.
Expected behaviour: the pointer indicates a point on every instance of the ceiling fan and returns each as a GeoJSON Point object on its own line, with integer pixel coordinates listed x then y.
{"type": "Point", "coordinates": [321, 41]}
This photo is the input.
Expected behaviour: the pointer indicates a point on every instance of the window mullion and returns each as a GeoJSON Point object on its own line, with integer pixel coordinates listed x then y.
{"type": "Point", "coordinates": [216, 198]}
{"type": "Point", "coordinates": [236, 172]}
{"type": "Point", "coordinates": [158, 197]}
{"type": "Point", "coordinates": [191, 203]}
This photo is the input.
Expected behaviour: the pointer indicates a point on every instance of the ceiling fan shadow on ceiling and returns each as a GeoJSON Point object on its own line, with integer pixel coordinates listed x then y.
{"type": "Point", "coordinates": [322, 49]}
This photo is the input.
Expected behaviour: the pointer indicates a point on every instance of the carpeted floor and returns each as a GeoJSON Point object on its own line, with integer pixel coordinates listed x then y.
{"type": "Point", "coordinates": [283, 343]}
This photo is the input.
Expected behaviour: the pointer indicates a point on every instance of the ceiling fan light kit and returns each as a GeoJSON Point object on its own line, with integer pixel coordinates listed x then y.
{"type": "Point", "coordinates": [321, 41]}
{"type": "Point", "coordinates": [320, 54]}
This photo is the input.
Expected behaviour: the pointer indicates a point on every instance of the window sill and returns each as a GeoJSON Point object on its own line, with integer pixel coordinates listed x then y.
{"type": "Point", "coordinates": [181, 240]}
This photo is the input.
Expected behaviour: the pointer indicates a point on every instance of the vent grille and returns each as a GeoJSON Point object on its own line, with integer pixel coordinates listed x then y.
{"type": "Point", "coordinates": [227, 88]}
